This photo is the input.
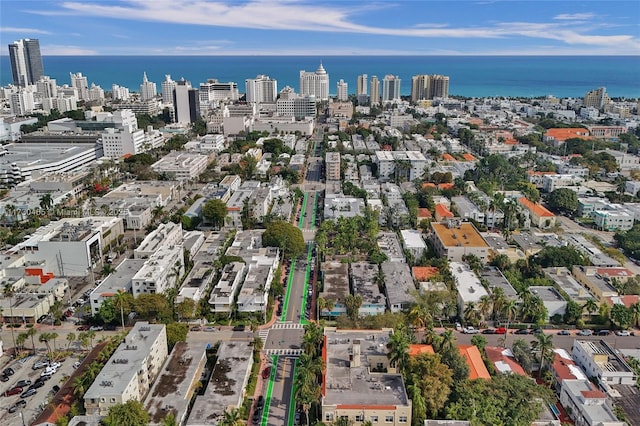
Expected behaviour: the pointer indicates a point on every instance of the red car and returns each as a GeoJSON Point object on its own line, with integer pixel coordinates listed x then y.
{"type": "Point", "coordinates": [83, 328]}
{"type": "Point", "coordinates": [266, 373]}
{"type": "Point", "coordinates": [501, 330]}
{"type": "Point", "coordinates": [13, 391]}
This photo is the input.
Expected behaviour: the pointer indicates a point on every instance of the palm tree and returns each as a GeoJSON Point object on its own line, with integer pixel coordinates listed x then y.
{"type": "Point", "coordinates": [324, 304]}
{"type": "Point", "coordinates": [71, 337]}
{"type": "Point", "coordinates": [22, 337]}
{"type": "Point", "coordinates": [471, 314]}
{"type": "Point", "coordinates": [31, 333]}
{"type": "Point", "coordinates": [231, 418]}
{"type": "Point", "coordinates": [312, 339]}
{"type": "Point", "coordinates": [44, 338]}
{"type": "Point", "coordinates": [79, 386]}
{"type": "Point", "coordinates": [419, 406]}
{"type": "Point", "coordinates": [119, 300]}
{"type": "Point", "coordinates": [399, 349]}
{"type": "Point", "coordinates": [9, 292]}
{"type": "Point", "coordinates": [591, 306]}
{"type": "Point", "coordinates": [53, 336]}
{"type": "Point", "coordinates": [46, 202]}
{"type": "Point", "coordinates": [544, 344]}
{"type": "Point", "coordinates": [485, 306]}
{"type": "Point", "coordinates": [635, 313]}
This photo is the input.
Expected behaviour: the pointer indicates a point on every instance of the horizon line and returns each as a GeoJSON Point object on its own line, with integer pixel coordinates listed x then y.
{"type": "Point", "coordinates": [351, 55]}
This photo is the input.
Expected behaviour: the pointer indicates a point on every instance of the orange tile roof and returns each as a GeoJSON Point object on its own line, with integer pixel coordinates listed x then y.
{"type": "Point", "coordinates": [511, 141]}
{"type": "Point", "coordinates": [424, 213]}
{"type": "Point", "coordinates": [468, 157]}
{"type": "Point", "coordinates": [423, 273]}
{"type": "Point", "coordinates": [615, 272]}
{"type": "Point", "coordinates": [562, 368]}
{"type": "Point", "coordinates": [428, 185]}
{"type": "Point", "coordinates": [443, 211]}
{"type": "Point", "coordinates": [563, 134]}
{"type": "Point", "coordinates": [415, 350]}
{"type": "Point", "coordinates": [448, 157]}
{"type": "Point", "coordinates": [628, 300]}
{"type": "Point", "coordinates": [497, 354]}
{"type": "Point", "coordinates": [466, 235]}
{"type": "Point", "coordinates": [535, 208]}
{"type": "Point", "coordinates": [593, 394]}
{"type": "Point", "coordinates": [471, 355]}
{"type": "Point", "coordinates": [445, 185]}
{"type": "Point", "coordinates": [534, 173]}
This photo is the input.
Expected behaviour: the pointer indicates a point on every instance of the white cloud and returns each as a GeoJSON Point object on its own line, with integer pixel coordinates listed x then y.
{"type": "Point", "coordinates": [62, 50]}
{"type": "Point", "coordinates": [574, 16]}
{"type": "Point", "coordinates": [23, 30]}
{"type": "Point", "coordinates": [295, 15]}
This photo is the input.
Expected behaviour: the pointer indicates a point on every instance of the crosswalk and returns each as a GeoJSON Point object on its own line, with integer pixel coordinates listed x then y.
{"type": "Point", "coordinates": [262, 334]}
{"type": "Point", "coordinates": [287, 325]}
{"type": "Point", "coordinates": [282, 352]}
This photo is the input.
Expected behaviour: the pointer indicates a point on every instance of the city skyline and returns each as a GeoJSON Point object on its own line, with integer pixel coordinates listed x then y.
{"type": "Point", "coordinates": [137, 27]}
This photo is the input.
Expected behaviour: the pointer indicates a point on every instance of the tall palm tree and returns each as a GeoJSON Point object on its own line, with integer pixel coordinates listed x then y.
{"type": "Point", "coordinates": [44, 338]}
{"type": "Point", "coordinates": [471, 314]}
{"type": "Point", "coordinates": [544, 344]}
{"type": "Point", "coordinates": [9, 292]}
{"type": "Point", "coordinates": [231, 418]}
{"type": "Point", "coordinates": [31, 333]}
{"type": "Point", "coordinates": [635, 313]}
{"type": "Point", "coordinates": [312, 339]}
{"type": "Point", "coordinates": [399, 349]}
{"type": "Point", "coordinates": [53, 336]}
{"type": "Point", "coordinates": [71, 337]}
{"type": "Point", "coordinates": [119, 300]}
{"type": "Point", "coordinates": [46, 202]}
{"type": "Point", "coordinates": [485, 306]}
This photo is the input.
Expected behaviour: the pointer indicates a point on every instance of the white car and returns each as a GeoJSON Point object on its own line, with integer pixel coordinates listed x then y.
{"type": "Point", "coordinates": [48, 372]}
{"type": "Point", "coordinates": [623, 333]}
{"type": "Point", "coordinates": [470, 330]}
{"type": "Point", "coordinates": [54, 365]}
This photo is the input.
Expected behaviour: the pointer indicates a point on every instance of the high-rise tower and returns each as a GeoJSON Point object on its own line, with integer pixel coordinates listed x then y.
{"type": "Point", "coordinates": [391, 88]}
{"type": "Point", "coordinates": [362, 85]}
{"type": "Point", "coordinates": [26, 61]}
{"type": "Point", "coordinates": [261, 89]}
{"type": "Point", "coordinates": [147, 89]}
{"type": "Point", "coordinates": [375, 90]}
{"type": "Point", "coordinates": [315, 83]}
{"type": "Point", "coordinates": [343, 91]}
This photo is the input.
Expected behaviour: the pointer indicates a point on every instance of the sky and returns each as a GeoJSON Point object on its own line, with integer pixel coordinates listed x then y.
{"type": "Point", "coordinates": [345, 27]}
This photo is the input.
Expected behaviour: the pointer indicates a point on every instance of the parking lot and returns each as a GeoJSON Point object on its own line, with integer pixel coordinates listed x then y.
{"type": "Point", "coordinates": [35, 404]}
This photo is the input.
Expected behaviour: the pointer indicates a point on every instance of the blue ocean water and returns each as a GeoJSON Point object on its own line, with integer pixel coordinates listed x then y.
{"type": "Point", "coordinates": [472, 76]}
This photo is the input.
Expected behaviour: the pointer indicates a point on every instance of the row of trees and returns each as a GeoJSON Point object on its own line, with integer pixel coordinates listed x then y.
{"type": "Point", "coordinates": [309, 367]}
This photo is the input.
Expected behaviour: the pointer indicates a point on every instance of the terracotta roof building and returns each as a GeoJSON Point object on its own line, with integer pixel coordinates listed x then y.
{"type": "Point", "coordinates": [503, 360]}
{"type": "Point", "coordinates": [471, 355]}
{"type": "Point", "coordinates": [540, 216]}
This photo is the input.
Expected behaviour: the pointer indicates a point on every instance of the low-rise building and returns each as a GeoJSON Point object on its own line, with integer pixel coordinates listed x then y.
{"type": "Point", "coordinates": [166, 234]}
{"type": "Point", "coordinates": [587, 405]}
{"type": "Point", "coordinates": [181, 165]}
{"type": "Point", "coordinates": [613, 220]}
{"type": "Point", "coordinates": [130, 371]}
{"type": "Point", "coordinates": [598, 284]}
{"type": "Point", "coordinates": [364, 281]}
{"type": "Point", "coordinates": [118, 280]}
{"type": "Point", "coordinates": [562, 277]}
{"type": "Point", "coordinates": [389, 244]}
{"type": "Point", "coordinates": [470, 289]}
{"type": "Point", "coordinates": [160, 272]}
{"type": "Point", "coordinates": [413, 242]}
{"type": "Point", "coordinates": [399, 286]}
{"type": "Point", "coordinates": [359, 382]}
{"type": "Point", "coordinates": [551, 299]}
{"type": "Point", "coordinates": [455, 239]}
{"type": "Point", "coordinates": [477, 369]}
{"type": "Point", "coordinates": [224, 292]}
{"type": "Point", "coordinates": [495, 279]}
{"type": "Point", "coordinates": [176, 384]}
{"type": "Point", "coordinates": [540, 216]}
{"type": "Point", "coordinates": [335, 287]}
{"type": "Point", "coordinates": [598, 359]}
{"type": "Point", "coordinates": [337, 206]}
{"type": "Point", "coordinates": [226, 387]}
{"type": "Point", "coordinates": [504, 361]}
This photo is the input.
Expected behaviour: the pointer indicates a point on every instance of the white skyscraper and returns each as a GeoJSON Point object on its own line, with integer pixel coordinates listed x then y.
{"type": "Point", "coordinates": [81, 83]}
{"type": "Point", "coordinates": [95, 94]}
{"type": "Point", "coordinates": [26, 61]}
{"type": "Point", "coordinates": [315, 83]}
{"type": "Point", "coordinates": [186, 102]}
{"type": "Point", "coordinates": [390, 88]}
{"type": "Point", "coordinates": [119, 93]}
{"type": "Point", "coordinates": [261, 89]}
{"type": "Point", "coordinates": [147, 89]}
{"type": "Point", "coordinates": [343, 91]}
{"type": "Point", "coordinates": [362, 85]}
{"type": "Point", "coordinates": [168, 86]}
{"type": "Point", "coordinates": [46, 87]}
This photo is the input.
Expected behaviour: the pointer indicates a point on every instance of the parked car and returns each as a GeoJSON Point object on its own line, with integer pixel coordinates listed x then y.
{"type": "Point", "coordinates": [266, 373]}
{"type": "Point", "coordinates": [489, 331]}
{"type": "Point", "coordinates": [585, 332]}
{"type": "Point", "coordinates": [501, 330]}
{"type": "Point", "coordinates": [260, 401]}
{"type": "Point", "coordinates": [22, 383]}
{"type": "Point", "coordinates": [18, 405]}
{"type": "Point", "coordinates": [470, 330]}
{"type": "Point", "coordinates": [38, 383]}
{"type": "Point", "coordinates": [83, 328]}
{"type": "Point", "coordinates": [8, 371]}
{"type": "Point", "coordinates": [110, 327]}
{"type": "Point", "coordinates": [4, 378]}
{"type": "Point", "coordinates": [13, 391]}
{"type": "Point", "coordinates": [239, 328]}
{"type": "Point", "coordinates": [29, 392]}
{"type": "Point", "coordinates": [76, 364]}
{"type": "Point", "coordinates": [564, 333]}
{"type": "Point", "coordinates": [521, 331]}
{"type": "Point", "coordinates": [48, 372]}
{"type": "Point", "coordinates": [623, 333]}
{"type": "Point", "coordinates": [196, 328]}
{"type": "Point", "coordinates": [55, 389]}
{"type": "Point", "coordinates": [41, 318]}
{"type": "Point", "coordinates": [96, 328]}
{"type": "Point", "coordinates": [54, 364]}
{"type": "Point", "coordinates": [209, 328]}
{"type": "Point", "coordinates": [536, 331]}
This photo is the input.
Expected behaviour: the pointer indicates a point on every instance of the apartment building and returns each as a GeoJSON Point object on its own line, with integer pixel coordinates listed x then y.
{"type": "Point", "coordinates": [455, 239]}
{"type": "Point", "coordinates": [160, 272]}
{"type": "Point", "coordinates": [181, 165]}
{"type": "Point", "coordinates": [166, 234]}
{"type": "Point", "coordinates": [540, 216]}
{"type": "Point", "coordinates": [599, 359]}
{"type": "Point", "coordinates": [364, 282]}
{"type": "Point", "coordinates": [130, 371]}
{"type": "Point", "coordinates": [359, 382]}
{"type": "Point", "coordinates": [413, 242]}
{"type": "Point", "coordinates": [332, 165]}
{"type": "Point", "coordinates": [407, 165]}
{"type": "Point", "coordinates": [335, 287]}
{"type": "Point", "coordinates": [398, 285]}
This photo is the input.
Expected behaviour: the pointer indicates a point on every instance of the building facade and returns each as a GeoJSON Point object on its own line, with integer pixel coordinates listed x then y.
{"type": "Point", "coordinates": [315, 83]}
{"type": "Point", "coordinates": [391, 88]}
{"type": "Point", "coordinates": [261, 89]}
{"type": "Point", "coordinates": [26, 61]}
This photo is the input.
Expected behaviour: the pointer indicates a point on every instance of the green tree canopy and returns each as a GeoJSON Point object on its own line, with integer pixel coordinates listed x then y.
{"type": "Point", "coordinates": [285, 236]}
{"type": "Point", "coordinates": [566, 256]}
{"type": "Point", "coordinates": [176, 332]}
{"type": "Point", "coordinates": [215, 211]}
{"type": "Point", "coordinates": [131, 413]}
{"type": "Point", "coordinates": [564, 200]}
{"type": "Point", "coordinates": [506, 399]}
